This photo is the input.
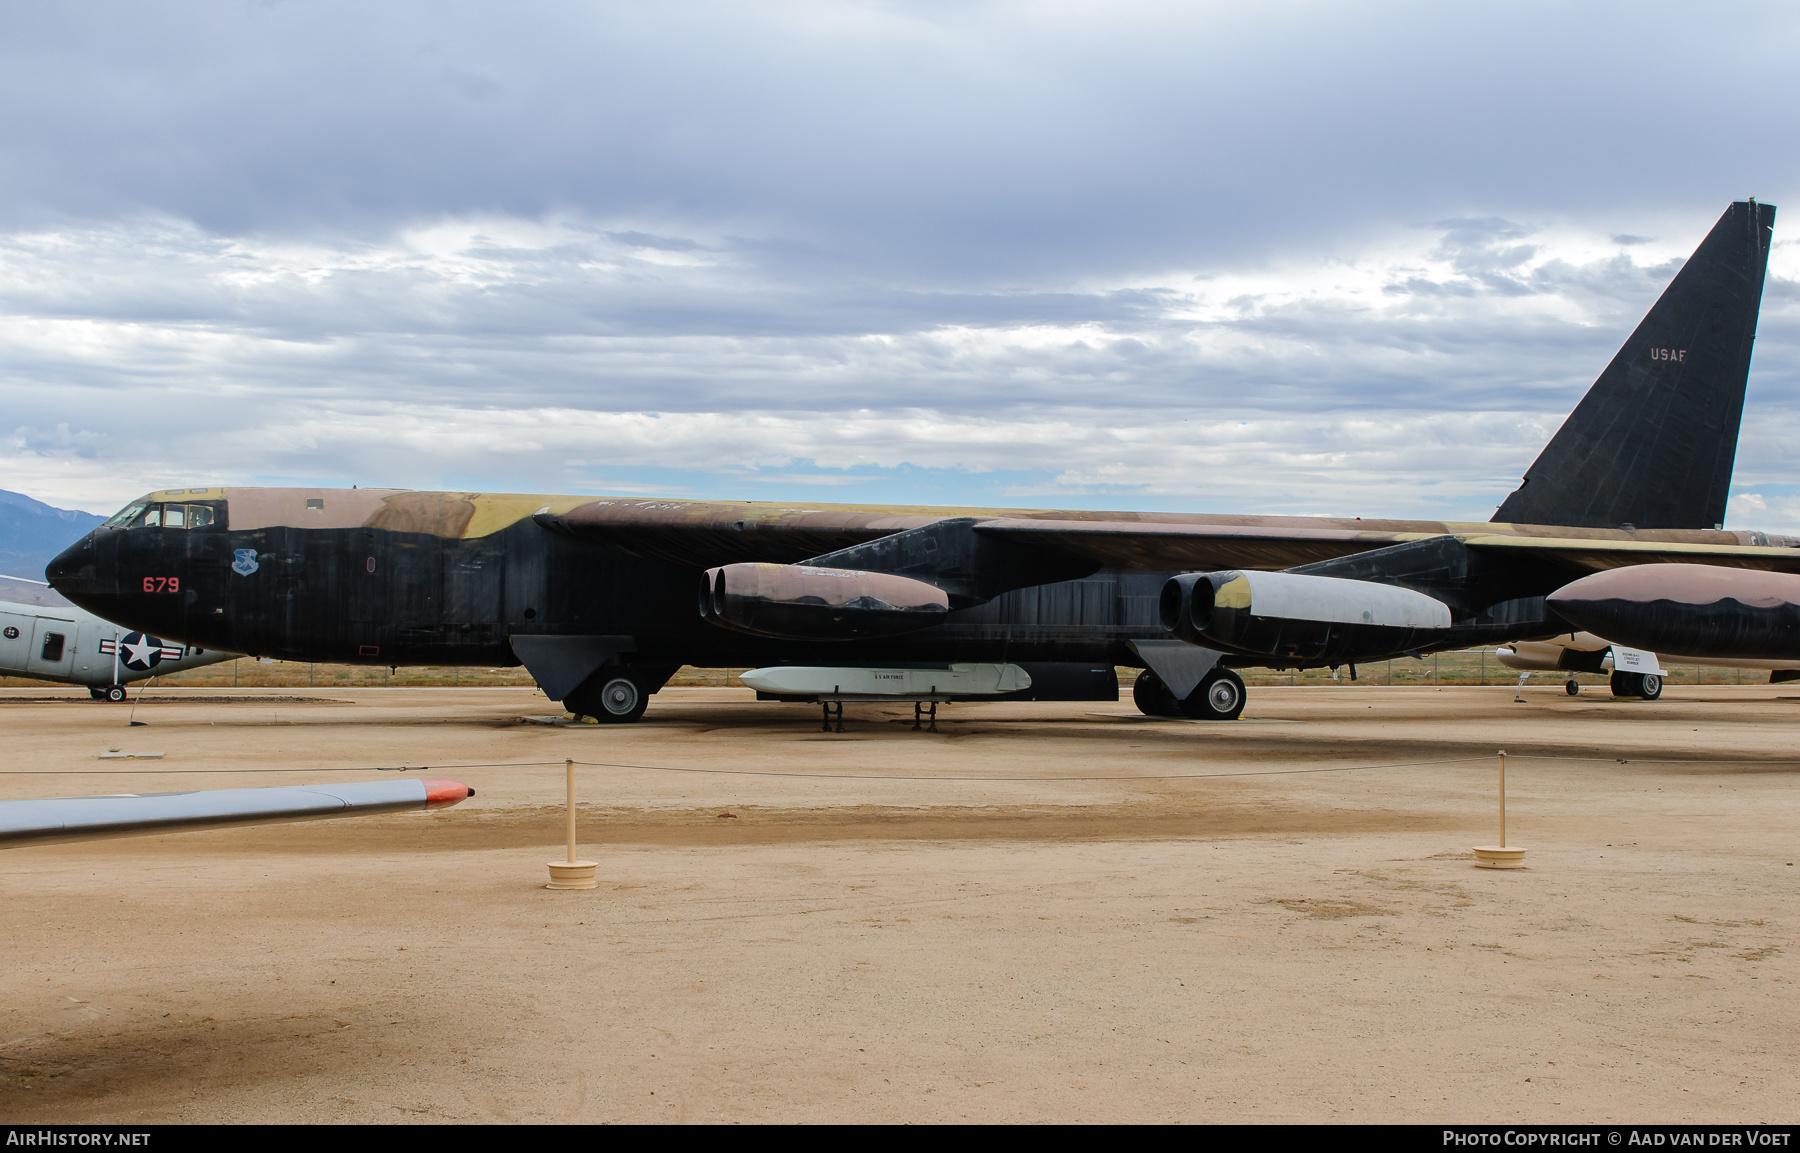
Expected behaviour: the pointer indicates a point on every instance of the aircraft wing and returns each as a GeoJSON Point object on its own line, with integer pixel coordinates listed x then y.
{"type": "Point", "coordinates": [51, 821]}
{"type": "Point", "coordinates": [1596, 555]}
{"type": "Point", "coordinates": [1159, 546]}
{"type": "Point", "coordinates": [975, 554]}
{"type": "Point", "coordinates": [706, 533]}
{"type": "Point", "coordinates": [709, 533]}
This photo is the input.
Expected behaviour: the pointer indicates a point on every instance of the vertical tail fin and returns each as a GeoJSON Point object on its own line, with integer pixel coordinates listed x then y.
{"type": "Point", "coordinates": [1652, 443]}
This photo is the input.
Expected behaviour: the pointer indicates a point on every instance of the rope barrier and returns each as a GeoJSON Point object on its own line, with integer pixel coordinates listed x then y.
{"type": "Point", "coordinates": [906, 777]}
{"type": "Point", "coordinates": [1027, 780]}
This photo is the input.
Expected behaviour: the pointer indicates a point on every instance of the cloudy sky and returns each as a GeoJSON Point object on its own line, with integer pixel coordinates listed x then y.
{"type": "Point", "coordinates": [1286, 257]}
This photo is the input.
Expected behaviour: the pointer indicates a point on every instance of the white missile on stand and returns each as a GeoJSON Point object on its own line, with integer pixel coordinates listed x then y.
{"type": "Point", "coordinates": [853, 684]}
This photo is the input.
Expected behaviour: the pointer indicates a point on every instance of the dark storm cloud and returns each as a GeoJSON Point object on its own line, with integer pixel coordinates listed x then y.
{"type": "Point", "coordinates": [982, 140]}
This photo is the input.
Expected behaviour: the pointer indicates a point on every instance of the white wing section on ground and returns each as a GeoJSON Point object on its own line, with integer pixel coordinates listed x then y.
{"type": "Point", "coordinates": [50, 821]}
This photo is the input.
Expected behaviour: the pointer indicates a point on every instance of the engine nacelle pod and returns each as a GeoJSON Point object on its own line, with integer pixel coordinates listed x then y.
{"type": "Point", "coordinates": [1310, 619]}
{"type": "Point", "coordinates": [1694, 610]}
{"type": "Point", "coordinates": [801, 602]}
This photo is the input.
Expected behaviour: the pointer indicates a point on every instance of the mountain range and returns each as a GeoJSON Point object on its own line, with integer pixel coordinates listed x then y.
{"type": "Point", "coordinates": [31, 532]}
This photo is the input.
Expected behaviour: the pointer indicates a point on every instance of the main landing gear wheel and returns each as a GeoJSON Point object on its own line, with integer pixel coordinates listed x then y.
{"type": "Point", "coordinates": [1572, 687]}
{"type": "Point", "coordinates": [1649, 686]}
{"type": "Point", "coordinates": [1152, 697]}
{"type": "Point", "coordinates": [1218, 697]}
{"type": "Point", "coordinates": [113, 693]}
{"type": "Point", "coordinates": [611, 696]}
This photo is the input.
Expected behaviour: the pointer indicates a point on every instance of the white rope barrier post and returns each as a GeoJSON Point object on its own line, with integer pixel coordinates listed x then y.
{"type": "Point", "coordinates": [1500, 856]}
{"type": "Point", "coordinates": [571, 873]}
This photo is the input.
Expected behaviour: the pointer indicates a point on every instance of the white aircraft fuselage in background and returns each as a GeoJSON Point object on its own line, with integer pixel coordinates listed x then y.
{"type": "Point", "coordinates": [44, 637]}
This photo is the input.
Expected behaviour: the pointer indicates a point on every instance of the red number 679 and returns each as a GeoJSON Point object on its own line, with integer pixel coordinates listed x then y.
{"type": "Point", "coordinates": [162, 584]}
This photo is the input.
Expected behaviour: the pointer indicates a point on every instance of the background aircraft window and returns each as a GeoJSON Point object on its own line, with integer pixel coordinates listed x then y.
{"type": "Point", "coordinates": [315, 504]}
{"type": "Point", "coordinates": [174, 516]}
{"type": "Point", "coordinates": [53, 646]}
{"type": "Point", "coordinates": [123, 516]}
{"type": "Point", "coordinates": [199, 515]}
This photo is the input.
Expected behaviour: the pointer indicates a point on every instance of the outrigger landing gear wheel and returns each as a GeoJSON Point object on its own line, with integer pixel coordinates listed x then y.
{"type": "Point", "coordinates": [612, 696]}
{"type": "Point", "coordinates": [1218, 697]}
{"type": "Point", "coordinates": [1572, 687]}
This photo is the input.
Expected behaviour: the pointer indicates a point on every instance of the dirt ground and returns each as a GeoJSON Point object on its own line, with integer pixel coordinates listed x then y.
{"type": "Point", "coordinates": [1043, 912]}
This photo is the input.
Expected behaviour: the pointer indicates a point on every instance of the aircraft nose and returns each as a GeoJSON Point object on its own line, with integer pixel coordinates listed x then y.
{"type": "Point", "coordinates": [71, 572]}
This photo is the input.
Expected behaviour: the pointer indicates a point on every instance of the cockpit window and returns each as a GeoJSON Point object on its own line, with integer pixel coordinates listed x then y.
{"type": "Point", "coordinates": [170, 515]}
{"type": "Point", "coordinates": [123, 516]}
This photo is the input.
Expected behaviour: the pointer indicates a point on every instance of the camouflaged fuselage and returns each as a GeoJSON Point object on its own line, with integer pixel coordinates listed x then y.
{"type": "Point", "coordinates": [393, 577]}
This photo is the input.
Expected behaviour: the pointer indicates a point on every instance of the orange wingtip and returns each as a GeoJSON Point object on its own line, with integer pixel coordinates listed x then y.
{"type": "Point", "coordinates": [442, 792]}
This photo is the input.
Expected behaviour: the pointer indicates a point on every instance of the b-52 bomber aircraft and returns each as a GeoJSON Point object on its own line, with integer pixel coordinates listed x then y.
{"type": "Point", "coordinates": [602, 599]}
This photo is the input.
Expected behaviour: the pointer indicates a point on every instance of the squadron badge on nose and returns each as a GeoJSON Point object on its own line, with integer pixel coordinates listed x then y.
{"type": "Point", "coordinates": [245, 564]}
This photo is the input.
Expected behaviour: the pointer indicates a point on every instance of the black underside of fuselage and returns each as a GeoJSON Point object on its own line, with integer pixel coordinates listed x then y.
{"type": "Point", "coordinates": [383, 597]}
